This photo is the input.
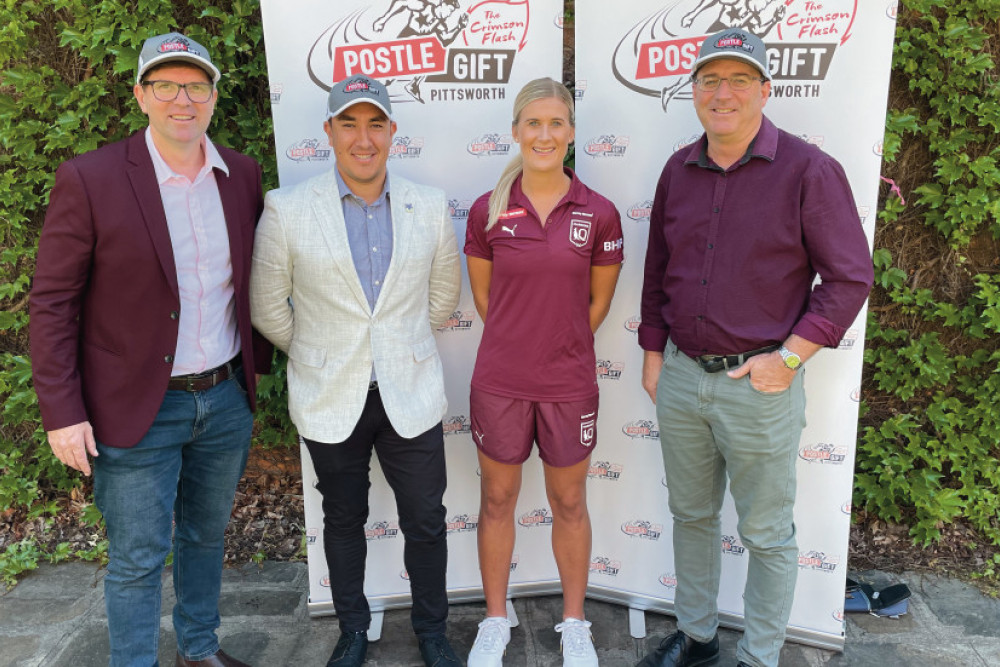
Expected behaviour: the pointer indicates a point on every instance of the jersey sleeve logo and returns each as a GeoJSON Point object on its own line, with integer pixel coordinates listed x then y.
{"type": "Point", "coordinates": [579, 232]}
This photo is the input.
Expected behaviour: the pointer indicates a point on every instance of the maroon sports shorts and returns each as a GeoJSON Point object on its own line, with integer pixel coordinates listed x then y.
{"type": "Point", "coordinates": [505, 428]}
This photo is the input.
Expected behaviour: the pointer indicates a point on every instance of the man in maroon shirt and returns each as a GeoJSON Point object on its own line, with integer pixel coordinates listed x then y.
{"type": "Point", "coordinates": [743, 220]}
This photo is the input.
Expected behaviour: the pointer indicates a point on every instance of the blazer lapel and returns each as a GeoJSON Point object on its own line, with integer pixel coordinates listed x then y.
{"type": "Point", "coordinates": [142, 177]}
{"type": "Point", "coordinates": [329, 214]}
{"type": "Point", "coordinates": [403, 221]}
{"type": "Point", "coordinates": [231, 211]}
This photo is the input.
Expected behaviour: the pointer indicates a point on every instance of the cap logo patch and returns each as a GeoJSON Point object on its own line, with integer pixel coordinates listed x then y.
{"type": "Point", "coordinates": [733, 42]}
{"type": "Point", "coordinates": [175, 45]}
{"type": "Point", "coordinates": [357, 86]}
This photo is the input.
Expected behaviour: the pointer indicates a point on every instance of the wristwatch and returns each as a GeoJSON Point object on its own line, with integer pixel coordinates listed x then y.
{"type": "Point", "coordinates": [792, 360]}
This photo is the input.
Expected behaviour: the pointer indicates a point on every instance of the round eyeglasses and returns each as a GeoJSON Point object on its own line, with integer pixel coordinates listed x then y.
{"type": "Point", "coordinates": [198, 92]}
{"type": "Point", "coordinates": [710, 84]}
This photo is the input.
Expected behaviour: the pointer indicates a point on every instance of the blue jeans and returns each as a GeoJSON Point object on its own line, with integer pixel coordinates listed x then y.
{"type": "Point", "coordinates": [711, 427]}
{"type": "Point", "coordinates": [184, 471]}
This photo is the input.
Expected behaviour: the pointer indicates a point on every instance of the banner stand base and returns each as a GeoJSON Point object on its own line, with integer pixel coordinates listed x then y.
{"type": "Point", "coordinates": [511, 614]}
{"type": "Point", "coordinates": [375, 629]}
{"type": "Point", "coordinates": [637, 623]}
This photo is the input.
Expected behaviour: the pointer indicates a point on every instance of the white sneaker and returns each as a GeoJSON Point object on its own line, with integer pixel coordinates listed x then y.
{"type": "Point", "coordinates": [491, 643]}
{"type": "Point", "coordinates": [577, 643]}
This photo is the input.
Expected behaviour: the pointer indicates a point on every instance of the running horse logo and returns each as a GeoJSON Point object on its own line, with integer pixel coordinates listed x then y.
{"type": "Point", "coordinates": [425, 17]}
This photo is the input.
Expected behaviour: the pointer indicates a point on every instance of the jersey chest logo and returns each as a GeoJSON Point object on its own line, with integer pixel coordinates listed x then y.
{"type": "Point", "coordinates": [579, 232]}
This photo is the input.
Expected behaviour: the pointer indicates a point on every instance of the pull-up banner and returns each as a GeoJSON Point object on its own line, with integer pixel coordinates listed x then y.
{"type": "Point", "coordinates": [830, 62]}
{"type": "Point", "coordinates": [452, 69]}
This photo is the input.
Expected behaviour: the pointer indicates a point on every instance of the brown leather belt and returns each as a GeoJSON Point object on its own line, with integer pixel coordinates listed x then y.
{"type": "Point", "coordinates": [205, 379]}
{"type": "Point", "coordinates": [713, 363]}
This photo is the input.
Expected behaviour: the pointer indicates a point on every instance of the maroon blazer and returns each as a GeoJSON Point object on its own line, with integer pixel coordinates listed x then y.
{"type": "Point", "coordinates": [104, 303]}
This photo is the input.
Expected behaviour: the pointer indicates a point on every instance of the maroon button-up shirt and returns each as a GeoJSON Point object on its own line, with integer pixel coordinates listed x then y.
{"type": "Point", "coordinates": [733, 254]}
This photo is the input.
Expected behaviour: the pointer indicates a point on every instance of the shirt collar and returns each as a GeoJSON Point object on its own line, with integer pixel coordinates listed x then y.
{"type": "Point", "coordinates": [764, 145]}
{"type": "Point", "coordinates": [577, 190]}
{"type": "Point", "coordinates": [345, 189]}
{"type": "Point", "coordinates": [163, 171]}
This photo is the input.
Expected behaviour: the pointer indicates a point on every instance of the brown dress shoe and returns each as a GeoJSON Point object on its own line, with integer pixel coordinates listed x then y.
{"type": "Point", "coordinates": [218, 659]}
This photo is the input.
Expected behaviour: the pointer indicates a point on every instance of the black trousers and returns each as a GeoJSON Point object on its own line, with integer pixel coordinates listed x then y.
{"type": "Point", "coordinates": [415, 470]}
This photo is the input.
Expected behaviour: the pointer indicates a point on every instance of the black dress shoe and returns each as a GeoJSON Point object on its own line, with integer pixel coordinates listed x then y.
{"type": "Point", "coordinates": [679, 650]}
{"type": "Point", "coordinates": [350, 651]}
{"type": "Point", "coordinates": [436, 652]}
{"type": "Point", "coordinates": [218, 659]}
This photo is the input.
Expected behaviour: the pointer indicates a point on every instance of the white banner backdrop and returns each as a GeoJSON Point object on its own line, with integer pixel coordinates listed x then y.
{"type": "Point", "coordinates": [830, 60]}
{"type": "Point", "coordinates": [452, 77]}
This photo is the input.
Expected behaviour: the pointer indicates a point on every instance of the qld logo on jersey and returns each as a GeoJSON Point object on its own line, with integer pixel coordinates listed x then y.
{"type": "Point", "coordinates": [655, 57]}
{"type": "Point", "coordinates": [606, 566]}
{"type": "Point", "coordinates": [579, 232]}
{"type": "Point", "coordinates": [605, 470]}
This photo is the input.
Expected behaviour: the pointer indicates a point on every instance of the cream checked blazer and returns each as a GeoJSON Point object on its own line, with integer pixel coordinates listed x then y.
{"type": "Point", "coordinates": [306, 298]}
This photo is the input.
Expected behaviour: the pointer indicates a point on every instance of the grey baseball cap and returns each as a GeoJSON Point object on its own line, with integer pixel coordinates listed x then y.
{"type": "Point", "coordinates": [734, 43]}
{"type": "Point", "coordinates": [354, 90]}
{"type": "Point", "coordinates": [174, 47]}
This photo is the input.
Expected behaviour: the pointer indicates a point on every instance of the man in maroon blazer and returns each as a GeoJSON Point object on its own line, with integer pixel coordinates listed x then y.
{"type": "Point", "coordinates": [142, 349]}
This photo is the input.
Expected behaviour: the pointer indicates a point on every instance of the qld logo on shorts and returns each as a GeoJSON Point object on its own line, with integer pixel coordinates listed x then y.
{"type": "Point", "coordinates": [642, 429]}
{"type": "Point", "coordinates": [606, 566]}
{"type": "Point", "coordinates": [535, 518]}
{"type": "Point", "coordinates": [381, 530]}
{"type": "Point", "coordinates": [818, 561]}
{"type": "Point", "coordinates": [307, 150]}
{"type": "Point", "coordinates": [588, 429]}
{"type": "Point", "coordinates": [458, 321]}
{"type": "Point", "coordinates": [823, 452]}
{"type": "Point", "coordinates": [731, 545]}
{"type": "Point", "coordinates": [668, 579]}
{"type": "Point", "coordinates": [609, 370]}
{"type": "Point", "coordinates": [579, 232]}
{"type": "Point", "coordinates": [605, 470]}
{"type": "Point", "coordinates": [457, 425]}
{"type": "Point", "coordinates": [646, 530]}
{"type": "Point", "coordinates": [640, 211]}
{"type": "Point", "coordinates": [406, 147]}
{"type": "Point", "coordinates": [463, 523]}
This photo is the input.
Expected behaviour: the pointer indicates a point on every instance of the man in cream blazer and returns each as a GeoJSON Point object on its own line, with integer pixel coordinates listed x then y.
{"type": "Point", "coordinates": [352, 272]}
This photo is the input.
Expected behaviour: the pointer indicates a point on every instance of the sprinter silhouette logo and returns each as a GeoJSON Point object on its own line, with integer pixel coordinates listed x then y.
{"type": "Point", "coordinates": [425, 50]}
{"type": "Point", "coordinates": [654, 58]}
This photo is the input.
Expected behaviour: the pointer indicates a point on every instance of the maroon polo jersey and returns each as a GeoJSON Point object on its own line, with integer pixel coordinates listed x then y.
{"type": "Point", "coordinates": [537, 344]}
{"type": "Point", "coordinates": [733, 253]}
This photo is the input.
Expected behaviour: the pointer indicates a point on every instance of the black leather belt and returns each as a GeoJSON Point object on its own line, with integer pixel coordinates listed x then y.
{"type": "Point", "coordinates": [713, 363]}
{"type": "Point", "coordinates": [205, 379]}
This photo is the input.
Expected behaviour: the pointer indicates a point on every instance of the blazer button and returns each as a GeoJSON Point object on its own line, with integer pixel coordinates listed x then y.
{"type": "Point", "coordinates": [169, 358]}
{"type": "Point", "coordinates": [174, 314]}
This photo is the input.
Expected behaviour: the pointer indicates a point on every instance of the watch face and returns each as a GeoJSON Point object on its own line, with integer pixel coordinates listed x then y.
{"type": "Point", "coordinates": [792, 360]}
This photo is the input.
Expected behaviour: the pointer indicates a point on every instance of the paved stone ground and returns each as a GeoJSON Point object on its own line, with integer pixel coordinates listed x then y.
{"type": "Point", "coordinates": [55, 617]}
